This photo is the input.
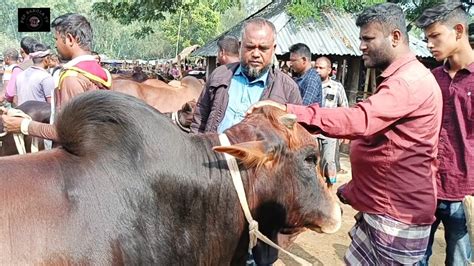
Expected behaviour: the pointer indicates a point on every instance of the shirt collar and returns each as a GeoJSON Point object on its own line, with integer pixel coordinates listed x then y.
{"type": "Point", "coordinates": [328, 83]}
{"type": "Point", "coordinates": [78, 59]}
{"type": "Point", "coordinates": [397, 64]}
{"type": "Point", "coordinates": [263, 78]}
{"type": "Point", "coordinates": [306, 74]}
{"type": "Point", "coordinates": [39, 68]}
{"type": "Point", "coordinates": [469, 68]}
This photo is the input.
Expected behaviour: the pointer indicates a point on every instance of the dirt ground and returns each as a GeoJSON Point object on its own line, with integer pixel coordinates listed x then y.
{"type": "Point", "coordinates": [324, 249]}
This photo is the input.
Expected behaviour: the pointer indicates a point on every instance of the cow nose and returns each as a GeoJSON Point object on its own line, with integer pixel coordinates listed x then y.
{"type": "Point", "coordinates": [342, 211]}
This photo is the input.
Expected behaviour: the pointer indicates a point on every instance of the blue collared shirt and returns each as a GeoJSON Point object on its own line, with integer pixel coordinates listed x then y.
{"type": "Point", "coordinates": [242, 94]}
{"type": "Point", "coordinates": [310, 87]}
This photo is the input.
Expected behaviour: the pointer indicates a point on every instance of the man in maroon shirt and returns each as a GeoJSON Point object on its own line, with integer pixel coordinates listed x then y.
{"type": "Point", "coordinates": [393, 153]}
{"type": "Point", "coordinates": [446, 30]}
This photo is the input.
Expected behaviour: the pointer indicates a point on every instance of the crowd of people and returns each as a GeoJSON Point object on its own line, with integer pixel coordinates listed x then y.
{"type": "Point", "coordinates": [412, 141]}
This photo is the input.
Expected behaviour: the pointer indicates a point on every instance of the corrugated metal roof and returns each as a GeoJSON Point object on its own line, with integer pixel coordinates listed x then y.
{"type": "Point", "coordinates": [334, 34]}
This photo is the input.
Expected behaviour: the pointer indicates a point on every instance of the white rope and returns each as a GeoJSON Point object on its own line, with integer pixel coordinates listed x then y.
{"type": "Point", "coordinates": [254, 233]}
{"type": "Point", "coordinates": [175, 119]}
{"type": "Point", "coordinates": [19, 137]}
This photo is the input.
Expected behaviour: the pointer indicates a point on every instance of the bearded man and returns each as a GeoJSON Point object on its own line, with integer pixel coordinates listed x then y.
{"type": "Point", "coordinates": [231, 89]}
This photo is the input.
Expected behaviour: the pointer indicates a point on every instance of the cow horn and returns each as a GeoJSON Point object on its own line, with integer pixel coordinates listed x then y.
{"type": "Point", "coordinates": [288, 120]}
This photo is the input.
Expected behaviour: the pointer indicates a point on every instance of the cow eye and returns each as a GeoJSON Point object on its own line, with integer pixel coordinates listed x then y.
{"type": "Point", "coordinates": [312, 159]}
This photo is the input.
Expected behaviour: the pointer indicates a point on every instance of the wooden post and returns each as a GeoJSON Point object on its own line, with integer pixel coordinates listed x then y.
{"type": "Point", "coordinates": [368, 74]}
{"type": "Point", "coordinates": [344, 72]}
{"type": "Point", "coordinates": [340, 69]}
{"type": "Point", "coordinates": [373, 82]}
{"type": "Point", "coordinates": [353, 78]}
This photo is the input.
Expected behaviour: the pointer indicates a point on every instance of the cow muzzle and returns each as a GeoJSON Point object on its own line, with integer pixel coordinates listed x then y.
{"type": "Point", "coordinates": [333, 222]}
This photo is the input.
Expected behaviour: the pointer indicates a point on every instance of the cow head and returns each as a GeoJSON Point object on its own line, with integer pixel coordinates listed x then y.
{"type": "Point", "coordinates": [185, 114]}
{"type": "Point", "coordinates": [284, 192]}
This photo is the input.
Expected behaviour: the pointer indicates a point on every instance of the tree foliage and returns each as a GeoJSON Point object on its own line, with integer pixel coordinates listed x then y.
{"type": "Point", "coordinates": [124, 37]}
{"type": "Point", "coordinates": [201, 20]}
{"type": "Point", "coordinates": [9, 35]}
{"type": "Point", "coordinates": [127, 12]}
{"type": "Point", "coordinates": [197, 26]}
{"type": "Point", "coordinates": [414, 8]}
{"type": "Point", "coordinates": [149, 28]}
{"type": "Point", "coordinates": [302, 10]}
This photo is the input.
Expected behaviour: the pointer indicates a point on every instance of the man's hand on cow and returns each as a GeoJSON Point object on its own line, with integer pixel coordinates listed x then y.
{"type": "Point", "coordinates": [11, 124]}
{"type": "Point", "coordinates": [263, 103]}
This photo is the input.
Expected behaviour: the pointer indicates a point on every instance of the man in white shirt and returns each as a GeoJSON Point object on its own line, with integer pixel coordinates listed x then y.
{"type": "Point", "coordinates": [333, 96]}
{"type": "Point", "coordinates": [35, 83]}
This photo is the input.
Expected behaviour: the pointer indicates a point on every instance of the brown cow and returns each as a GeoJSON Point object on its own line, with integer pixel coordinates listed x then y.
{"type": "Point", "coordinates": [128, 187]}
{"type": "Point", "coordinates": [164, 98]}
{"type": "Point", "coordinates": [157, 83]}
{"type": "Point", "coordinates": [188, 81]}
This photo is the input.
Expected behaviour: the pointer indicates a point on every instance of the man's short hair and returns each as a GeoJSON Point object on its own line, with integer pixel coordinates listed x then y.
{"type": "Point", "coordinates": [27, 43]}
{"type": "Point", "coordinates": [325, 59]}
{"type": "Point", "coordinates": [76, 25]}
{"type": "Point", "coordinates": [301, 49]}
{"type": "Point", "coordinates": [390, 16]}
{"type": "Point", "coordinates": [448, 14]}
{"type": "Point", "coordinates": [259, 22]}
{"type": "Point", "coordinates": [11, 53]}
{"type": "Point", "coordinates": [229, 44]}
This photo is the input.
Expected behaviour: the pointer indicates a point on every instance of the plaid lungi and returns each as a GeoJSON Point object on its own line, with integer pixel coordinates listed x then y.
{"type": "Point", "coordinates": [380, 240]}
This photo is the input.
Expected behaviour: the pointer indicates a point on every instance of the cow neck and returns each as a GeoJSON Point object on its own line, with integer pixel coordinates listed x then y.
{"type": "Point", "coordinates": [254, 233]}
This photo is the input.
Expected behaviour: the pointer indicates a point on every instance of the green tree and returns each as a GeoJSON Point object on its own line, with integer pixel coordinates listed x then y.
{"type": "Point", "coordinates": [232, 16]}
{"type": "Point", "coordinates": [414, 8]}
{"type": "Point", "coordinates": [117, 41]}
{"type": "Point", "coordinates": [197, 26]}
{"type": "Point", "coordinates": [10, 37]}
{"type": "Point", "coordinates": [127, 12]}
{"type": "Point", "coordinates": [201, 21]}
{"type": "Point", "coordinates": [302, 10]}
{"type": "Point", "coordinates": [110, 37]}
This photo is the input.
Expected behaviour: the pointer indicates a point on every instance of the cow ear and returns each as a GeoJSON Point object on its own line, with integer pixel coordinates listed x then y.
{"type": "Point", "coordinates": [187, 108]}
{"type": "Point", "coordinates": [289, 120]}
{"type": "Point", "coordinates": [251, 154]}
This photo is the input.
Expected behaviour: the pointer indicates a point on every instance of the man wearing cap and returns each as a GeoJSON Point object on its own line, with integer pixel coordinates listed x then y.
{"type": "Point", "coordinates": [35, 83]}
